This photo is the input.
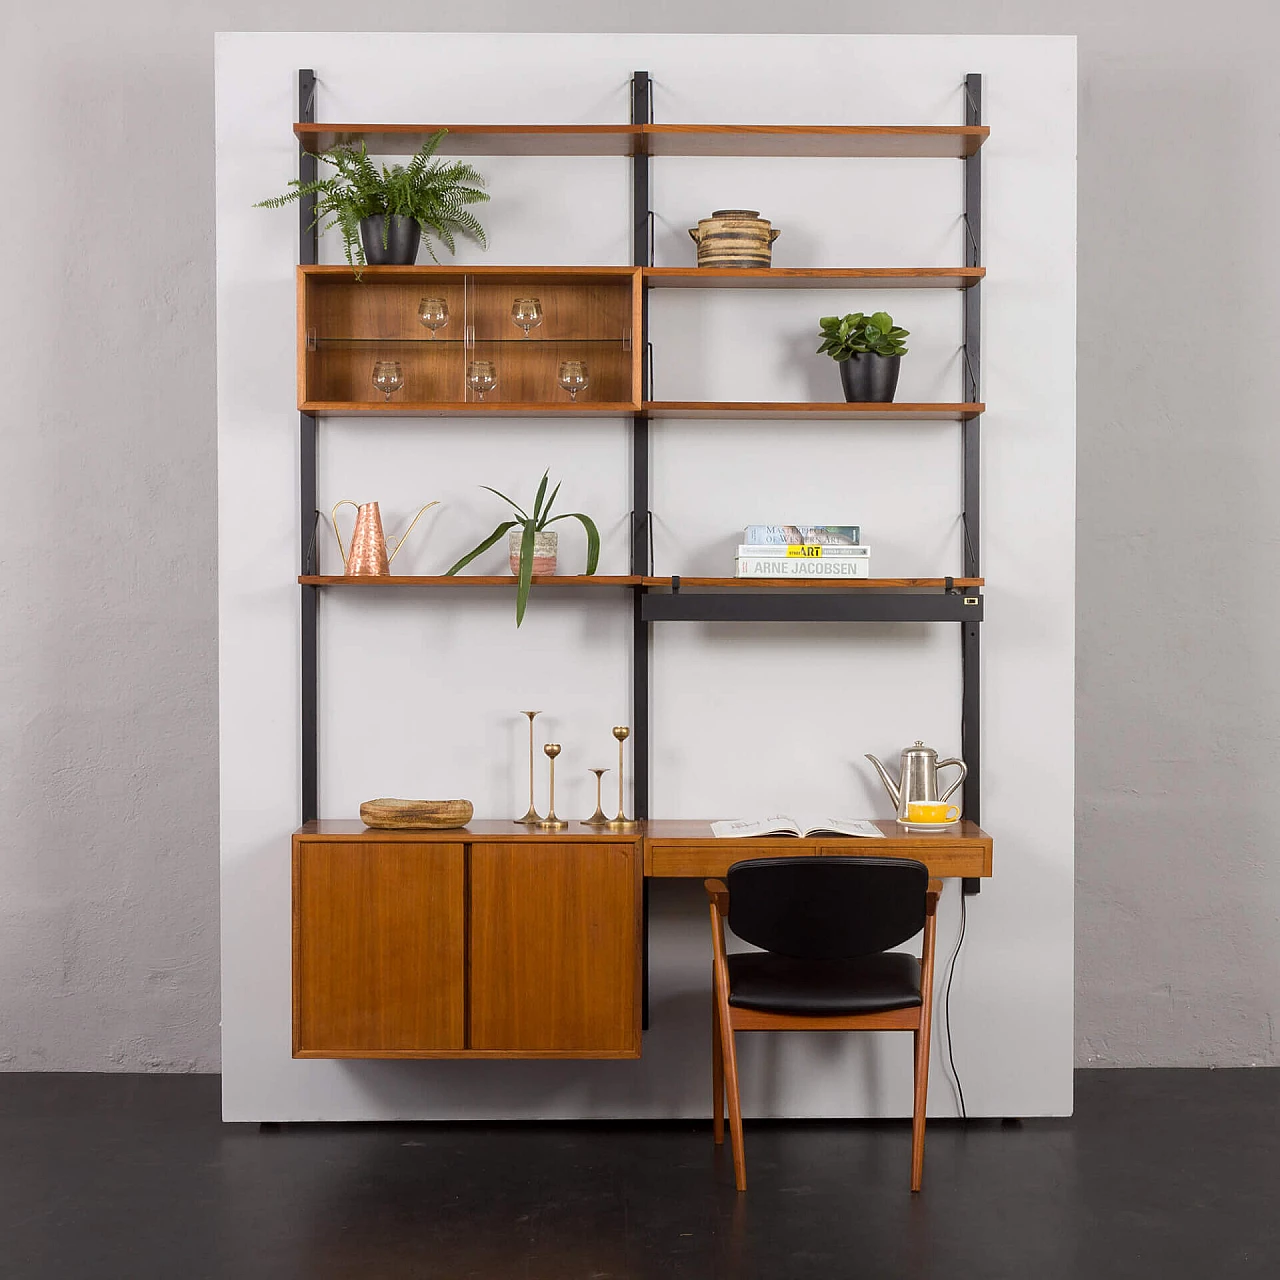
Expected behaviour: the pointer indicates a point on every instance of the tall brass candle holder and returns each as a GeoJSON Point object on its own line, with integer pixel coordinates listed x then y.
{"type": "Point", "coordinates": [599, 818]}
{"type": "Point", "coordinates": [551, 822]}
{"type": "Point", "coordinates": [533, 815]}
{"type": "Point", "coordinates": [621, 823]}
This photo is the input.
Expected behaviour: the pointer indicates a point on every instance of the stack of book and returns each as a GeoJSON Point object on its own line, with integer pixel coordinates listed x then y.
{"type": "Point", "coordinates": [803, 551]}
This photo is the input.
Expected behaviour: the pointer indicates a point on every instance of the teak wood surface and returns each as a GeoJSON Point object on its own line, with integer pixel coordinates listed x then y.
{"type": "Point", "coordinates": [685, 847]}
{"type": "Point", "coordinates": [436, 944]}
{"type": "Point", "coordinates": [472, 580]}
{"type": "Point", "coordinates": [555, 949]}
{"type": "Point", "coordinates": [463, 409]}
{"type": "Point", "coordinates": [941, 141]}
{"type": "Point", "coordinates": [812, 277]}
{"type": "Point", "coordinates": [345, 324]}
{"type": "Point", "coordinates": [378, 942]}
{"type": "Point", "coordinates": [803, 409]}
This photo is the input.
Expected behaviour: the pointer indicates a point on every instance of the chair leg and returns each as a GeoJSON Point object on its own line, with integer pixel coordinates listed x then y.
{"type": "Point", "coordinates": [921, 1038]}
{"type": "Point", "coordinates": [730, 1054]}
{"type": "Point", "coordinates": [717, 1073]}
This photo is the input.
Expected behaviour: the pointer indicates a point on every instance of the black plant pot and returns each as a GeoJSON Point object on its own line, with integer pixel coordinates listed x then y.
{"type": "Point", "coordinates": [869, 378]}
{"type": "Point", "coordinates": [402, 241]}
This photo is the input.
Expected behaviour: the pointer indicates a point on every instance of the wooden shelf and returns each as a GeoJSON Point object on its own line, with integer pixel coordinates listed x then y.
{"type": "Point", "coordinates": [490, 274]}
{"type": "Point", "coordinates": [663, 409]}
{"type": "Point", "coordinates": [473, 580]}
{"type": "Point", "coordinates": [812, 278]}
{"type": "Point", "coordinates": [941, 141]}
{"type": "Point", "coordinates": [836, 409]}
{"type": "Point", "coordinates": [477, 139]}
{"type": "Point", "coordinates": [461, 409]}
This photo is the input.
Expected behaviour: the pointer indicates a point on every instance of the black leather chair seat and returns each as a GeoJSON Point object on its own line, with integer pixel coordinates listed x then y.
{"type": "Point", "coordinates": [772, 983]}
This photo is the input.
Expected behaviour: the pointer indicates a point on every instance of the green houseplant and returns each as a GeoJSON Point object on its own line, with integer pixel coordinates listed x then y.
{"type": "Point", "coordinates": [869, 351]}
{"type": "Point", "coordinates": [532, 547]}
{"type": "Point", "coordinates": [383, 213]}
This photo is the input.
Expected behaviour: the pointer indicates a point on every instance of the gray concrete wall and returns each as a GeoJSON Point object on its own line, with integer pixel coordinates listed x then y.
{"type": "Point", "coordinates": [108, 850]}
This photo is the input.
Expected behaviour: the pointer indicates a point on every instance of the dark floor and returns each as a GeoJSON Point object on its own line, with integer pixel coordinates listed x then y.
{"type": "Point", "coordinates": [1160, 1175]}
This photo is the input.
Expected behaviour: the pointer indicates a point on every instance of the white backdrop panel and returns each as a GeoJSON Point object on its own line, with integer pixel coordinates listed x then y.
{"type": "Point", "coordinates": [420, 691]}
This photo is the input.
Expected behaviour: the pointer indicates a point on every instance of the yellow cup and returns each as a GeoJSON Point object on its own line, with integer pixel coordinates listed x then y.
{"type": "Point", "coordinates": [932, 811]}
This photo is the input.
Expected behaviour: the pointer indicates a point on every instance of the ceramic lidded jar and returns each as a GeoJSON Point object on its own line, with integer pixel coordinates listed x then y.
{"type": "Point", "coordinates": [734, 238]}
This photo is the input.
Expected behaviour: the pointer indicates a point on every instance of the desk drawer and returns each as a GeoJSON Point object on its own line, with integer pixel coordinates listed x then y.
{"type": "Point", "coordinates": [707, 858]}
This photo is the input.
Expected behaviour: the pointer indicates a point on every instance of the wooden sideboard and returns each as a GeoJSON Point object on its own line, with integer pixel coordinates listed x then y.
{"type": "Point", "coordinates": [498, 941]}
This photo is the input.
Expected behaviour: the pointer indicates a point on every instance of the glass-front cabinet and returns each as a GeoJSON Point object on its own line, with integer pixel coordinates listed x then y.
{"type": "Point", "coordinates": [437, 340]}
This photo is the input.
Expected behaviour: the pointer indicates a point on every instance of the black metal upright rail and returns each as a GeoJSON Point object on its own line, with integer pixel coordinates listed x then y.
{"type": "Point", "coordinates": [641, 256]}
{"type": "Point", "coordinates": [308, 253]}
{"type": "Point", "coordinates": [971, 631]}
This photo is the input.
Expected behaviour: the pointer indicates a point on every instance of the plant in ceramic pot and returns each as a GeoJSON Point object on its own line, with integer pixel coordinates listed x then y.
{"type": "Point", "coordinates": [531, 546]}
{"type": "Point", "coordinates": [383, 213]}
{"type": "Point", "coordinates": [869, 351]}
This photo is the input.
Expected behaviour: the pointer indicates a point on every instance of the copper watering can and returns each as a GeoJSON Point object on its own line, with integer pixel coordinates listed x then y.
{"type": "Point", "coordinates": [368, 555]}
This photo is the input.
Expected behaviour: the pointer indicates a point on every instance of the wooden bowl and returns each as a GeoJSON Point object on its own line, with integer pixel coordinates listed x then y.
{"type": "Point", "coordinates": [416, 815]}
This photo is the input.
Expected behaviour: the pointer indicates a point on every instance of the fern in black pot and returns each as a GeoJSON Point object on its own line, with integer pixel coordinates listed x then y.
{"type": "Point", "coordinates": [384, 213]}
{"type": "Point", "coordinates": [869, 351]}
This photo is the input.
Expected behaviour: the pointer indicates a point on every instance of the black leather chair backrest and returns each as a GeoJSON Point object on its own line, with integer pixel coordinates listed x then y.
{"type": "Point", "coordinates": [827, 908]}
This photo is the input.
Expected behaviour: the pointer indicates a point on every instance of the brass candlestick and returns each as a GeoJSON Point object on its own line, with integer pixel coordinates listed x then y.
{"type": "Point", "coordinates": [621, 822]}
{"type": "Point", "coordinates": [533, 815]}
{"type": "Point", "coordinates": [599, 818]}
{"type": "Point", "coordinates": [551, 822]}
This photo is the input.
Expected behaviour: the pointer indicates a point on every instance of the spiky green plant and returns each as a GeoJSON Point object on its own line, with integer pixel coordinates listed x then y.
{"type": "Point", "coordinates": [531, 525]}
{"type": "Point", "coordinates": [434, 194]}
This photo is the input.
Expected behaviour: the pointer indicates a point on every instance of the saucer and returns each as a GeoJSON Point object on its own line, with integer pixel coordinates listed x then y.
{"type": "Point", "coordinates": [928, 826]}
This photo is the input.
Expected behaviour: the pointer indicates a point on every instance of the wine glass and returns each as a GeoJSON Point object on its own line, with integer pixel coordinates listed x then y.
{"type": "Point", "coordinates": [433, 313]}
{"type": "Point", "coordinates": [481, 377]}
{"type": "Point", "coordinates": [388, 376]}
{"type": "Point", "coordinates": [526, 314]}
{"type": "Point", "coordinates": [574, 377]}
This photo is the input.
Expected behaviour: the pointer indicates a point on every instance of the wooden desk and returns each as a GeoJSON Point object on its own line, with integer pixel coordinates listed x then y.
{"type": "Point", "coordinates": [678, 848]}
{"type": "Point", "coordinates": [674, 848]}
{"type": "Point", "coordinates": [497, 940]}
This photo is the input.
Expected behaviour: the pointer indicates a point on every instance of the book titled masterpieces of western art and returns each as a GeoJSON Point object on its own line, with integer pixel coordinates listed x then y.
{"type": "Point", "coordinates": [799, 534]}
{"type": "Point", "coordinates": [781, 825]}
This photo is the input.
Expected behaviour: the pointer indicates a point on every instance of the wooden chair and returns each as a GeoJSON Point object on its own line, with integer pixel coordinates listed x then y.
{"type": "Point", "coordinates": [825, 926]}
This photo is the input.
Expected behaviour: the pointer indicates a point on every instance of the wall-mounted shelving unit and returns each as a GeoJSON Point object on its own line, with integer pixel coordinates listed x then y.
{"type": "Point", "coordinates": [341, 322]}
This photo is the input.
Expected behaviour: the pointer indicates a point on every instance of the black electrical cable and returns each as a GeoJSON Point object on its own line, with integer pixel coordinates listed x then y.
{"type": "Point", "coordinates": [946, 1006]}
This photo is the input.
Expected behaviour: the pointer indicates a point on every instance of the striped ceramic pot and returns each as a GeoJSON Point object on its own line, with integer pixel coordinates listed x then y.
{"type": "Point", "coordinates": [734, 238]}
{"type": "Point", "coordinates": [546, 546]}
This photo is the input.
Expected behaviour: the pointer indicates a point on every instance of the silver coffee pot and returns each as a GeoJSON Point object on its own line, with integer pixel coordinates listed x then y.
{"type": "Point", "coordinates": [917, 777]}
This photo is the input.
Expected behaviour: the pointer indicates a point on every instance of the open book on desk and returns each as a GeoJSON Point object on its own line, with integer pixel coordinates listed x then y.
{"type": "Point", "coordinates": [781, 825]}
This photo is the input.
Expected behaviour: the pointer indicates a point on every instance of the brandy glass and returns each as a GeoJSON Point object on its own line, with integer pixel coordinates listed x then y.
{"type": "Point", "coordinates": [573, 377]}
{"type": "Point", "coordinates": [388, 376]}
{"type": "Point", "coordinates": [481, 377]}
{"type": "Point", "coordinates": [433, 313]}
{"type": "Point", "coordinates": [526, 314]}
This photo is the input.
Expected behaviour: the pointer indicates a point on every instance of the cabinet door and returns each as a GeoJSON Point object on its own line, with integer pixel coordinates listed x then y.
{"type": "Point", "coordinates": [555, 949]}
{"type": "Point", "coordinates": [378, 948]}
